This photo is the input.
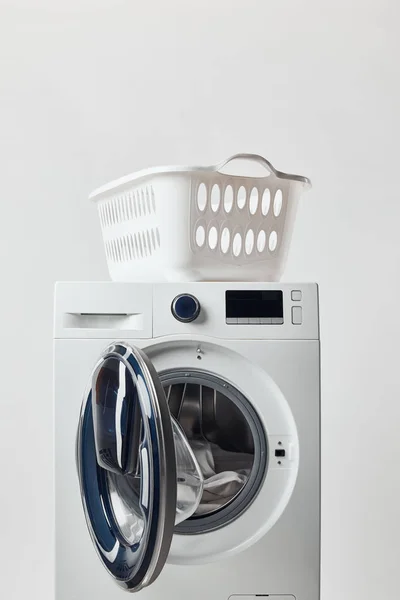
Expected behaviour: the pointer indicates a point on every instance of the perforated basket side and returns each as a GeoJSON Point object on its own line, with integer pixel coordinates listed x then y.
{"type": "Point", "coordinates": [129, 224]}
{"type": "Point", "coordinates": [238, 220]}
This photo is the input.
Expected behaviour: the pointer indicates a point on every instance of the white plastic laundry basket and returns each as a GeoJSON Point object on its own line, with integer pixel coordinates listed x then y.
{"type": "Point", "coordinates": [198, 223]}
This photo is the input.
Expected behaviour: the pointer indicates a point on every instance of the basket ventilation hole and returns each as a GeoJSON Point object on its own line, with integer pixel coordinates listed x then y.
{"type": "Point", "coordinates": [123, 249]}
{"type": "Point", "coordinates": [253, 201]}
{"type": "Point", "coordinates": [202, 196]}
{"type": "Point", "coordinates": [249, 242]}
{"type": "Point", "coordinates": [215, 197]}
{"type": "Point", "coordinates": [261, 240]}
{"type": "Point", "coordinates": [130, 248]}
{"type": "Point", "coordinates": [148, 204]}
{"type": "Point", "coordinates": [200, 236]}
{"type": "Point", "coordinates": [130, 205]}
{"type": "Point", "coordinates": [213, 238]}
{"type": "Point", "coordinates": [142, 203]}
{"type": "Point", "coordinates": [138, 203]}
{"type": "Point", "coordinates": [237, 244]}
{"type": "Point", "coordinates": [118, 250]}
{"type": "Point", "coordinates": [135, 210]}
{"type": "Point", "coordinates": [137, 250]}
{"type": "Point", "coordinates": [278, 203]}
{"type": "Point", "coordinates": [140, 244]}
{"type": "Point", "coordinates": [241, 197]}
{"type": "Point", "coordinates": [149, 244]}
{"type": "Point", "coordinates": [265, 202]}
{"type": "Point", "coordinates": [145, 246]}
{"type": "Point", "coordinates": [225, 240]}
{"type": "Point", "coordinates": [273, 240]}
{"type": "Point", "coordinates": [228, 198]}
{"type": "Point", "coordinates": [144, 240]}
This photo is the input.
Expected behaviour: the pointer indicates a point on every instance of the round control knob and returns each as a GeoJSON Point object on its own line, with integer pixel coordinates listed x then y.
{"type": "Point", "coordinates": [185, 308]}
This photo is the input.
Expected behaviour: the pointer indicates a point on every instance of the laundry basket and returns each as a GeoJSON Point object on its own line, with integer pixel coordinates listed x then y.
{"type": "Point", "coordinates": [199, 223]}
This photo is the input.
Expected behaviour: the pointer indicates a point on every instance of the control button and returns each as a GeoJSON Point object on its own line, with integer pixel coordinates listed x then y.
{"type": "Point", "coordinates": [254, 320]}
{"type": "Point", "coordinates": [185, 308]}
{"type": "Point", "coordinates": [297, 315]}
{"type": "Point", "coordinates": [296, 295]}
{"type": "Point", "coordinates": [231, 320]}
{"type": "Point", "coordinates": [243, 320]}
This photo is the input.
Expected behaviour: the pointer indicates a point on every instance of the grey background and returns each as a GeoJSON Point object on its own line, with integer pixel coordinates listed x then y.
{"type": "Point", "coordinates": [91, 90]}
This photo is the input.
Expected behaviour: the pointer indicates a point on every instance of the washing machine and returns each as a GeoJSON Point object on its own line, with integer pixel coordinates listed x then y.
{"type": "Point", "coordinates": [234, 370]}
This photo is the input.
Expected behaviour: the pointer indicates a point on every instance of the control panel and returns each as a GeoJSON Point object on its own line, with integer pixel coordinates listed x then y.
{"type": "Point", "coordinates": [261, 307]}
{"type": "Point", "coordinates": [110, 310]}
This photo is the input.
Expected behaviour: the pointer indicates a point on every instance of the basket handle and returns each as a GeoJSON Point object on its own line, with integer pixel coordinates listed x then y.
{"type": "Point", "coordinates": [265, 163]}
{"type": "Point", "coordinates": [251, 157]}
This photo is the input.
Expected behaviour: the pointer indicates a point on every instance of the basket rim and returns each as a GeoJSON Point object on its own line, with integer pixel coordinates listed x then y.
{"type": "Point", "coordinates": [144, 174]}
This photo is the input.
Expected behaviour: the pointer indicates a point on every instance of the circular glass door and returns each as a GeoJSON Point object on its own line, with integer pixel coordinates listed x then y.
{"type": "Point", "coordinates": [126, 464]}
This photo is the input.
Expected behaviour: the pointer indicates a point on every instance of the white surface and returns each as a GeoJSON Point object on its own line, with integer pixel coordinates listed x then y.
{"type": "Point", "coordinates": [277, 374]}
{"type": "Point", "coordinates": [198, 223]}
{"type": "Point", "coordinates": [93, 89]}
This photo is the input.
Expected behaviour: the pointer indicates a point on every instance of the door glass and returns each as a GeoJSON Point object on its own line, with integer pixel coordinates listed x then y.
{"type": "Point", "coordinates": [129, 514]}
{"type": "Point", "coordinates": [125, 491]}
{"type": "Point", "coordinates": [127, 467]}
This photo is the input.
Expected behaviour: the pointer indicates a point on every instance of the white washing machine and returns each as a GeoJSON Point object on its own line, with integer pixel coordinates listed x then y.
{"type": "Point", "coordinates": [237, 367]}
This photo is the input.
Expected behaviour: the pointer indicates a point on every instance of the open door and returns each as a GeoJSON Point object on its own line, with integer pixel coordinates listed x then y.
{"type": "Point", "coordinates": [127, 467]}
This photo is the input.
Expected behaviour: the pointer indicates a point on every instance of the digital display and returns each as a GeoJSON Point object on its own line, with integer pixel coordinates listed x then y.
{"type": "Point", "coordinates": [254, 304]}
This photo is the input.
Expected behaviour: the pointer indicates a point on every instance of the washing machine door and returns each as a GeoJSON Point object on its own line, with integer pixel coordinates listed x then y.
{"type": "Point", "coordinates": [127, 467]}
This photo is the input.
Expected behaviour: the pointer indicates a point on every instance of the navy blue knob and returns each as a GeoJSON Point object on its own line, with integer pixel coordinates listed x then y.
{"type": "Point", "coordinates": [185, 308]}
